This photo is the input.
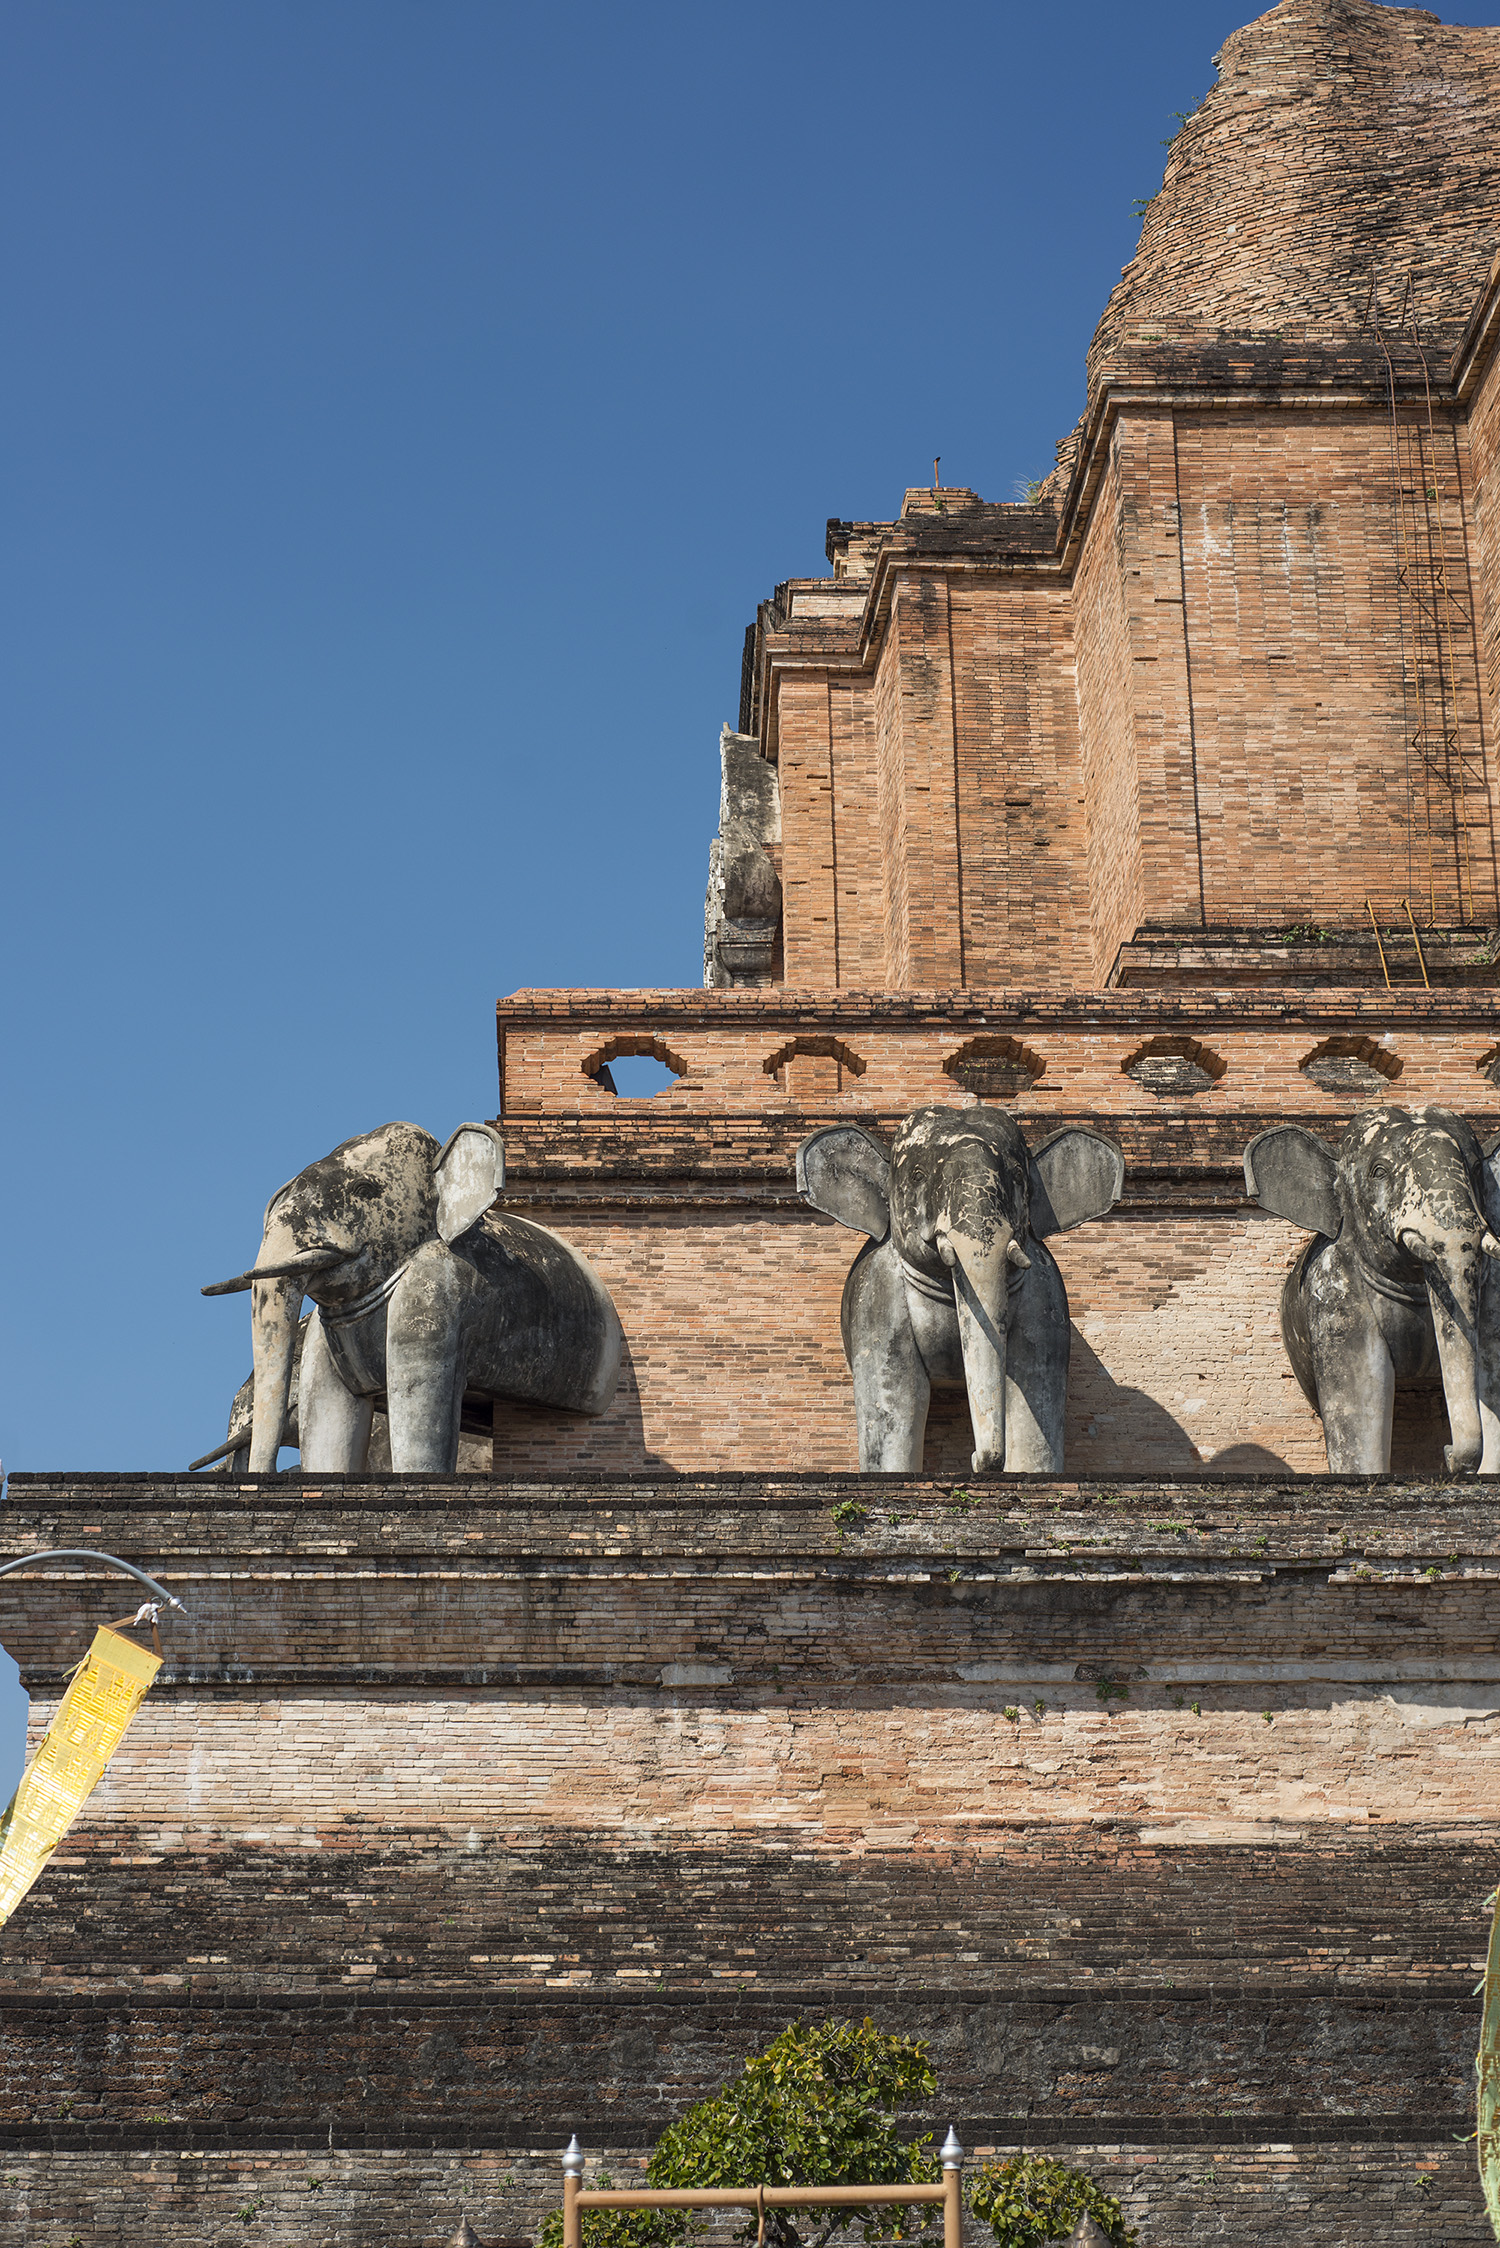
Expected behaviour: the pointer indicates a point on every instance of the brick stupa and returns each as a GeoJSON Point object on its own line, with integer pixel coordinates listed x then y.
{"type": "Point", "coordinates": [476, 1811]}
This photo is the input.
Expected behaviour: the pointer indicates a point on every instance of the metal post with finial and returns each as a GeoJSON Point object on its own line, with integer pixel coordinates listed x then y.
{"type": "Point", "coordinates": [953, 2205]}
{"type": "Point", "coordinates": [572, 2179]}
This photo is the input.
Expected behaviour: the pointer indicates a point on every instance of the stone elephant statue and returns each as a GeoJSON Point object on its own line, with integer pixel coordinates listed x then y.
{"type": "Point", "coordinates": [954, 1286]}
{"type": "Point", "coordinates": [422, 1294]}
{"type": "Point", "coordinates": [1397, 1283]}
{"type": "Point", "coordinates": [233, 1455]}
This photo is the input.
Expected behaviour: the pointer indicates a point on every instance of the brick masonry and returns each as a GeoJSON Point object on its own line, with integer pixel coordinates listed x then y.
{"type": "Point", "coordinates": [729, 1288]}
{"type": "Point", "coordinates": [471, 1812]}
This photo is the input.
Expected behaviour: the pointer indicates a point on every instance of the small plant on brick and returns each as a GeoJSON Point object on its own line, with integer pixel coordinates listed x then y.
{"type": "Point", "coordinates": [1033, 2200]}
{"type": "Point", "coordinates": [817, 2107]}
{"type": "Point", "coordinates": [1112, 1690]}
{"type": "Point", "coordinates": [850, 1515]}
{"type": "Point", "coordinates": [1308, 932]}
{"type": "Point", "coordinates": [1012, 1714]}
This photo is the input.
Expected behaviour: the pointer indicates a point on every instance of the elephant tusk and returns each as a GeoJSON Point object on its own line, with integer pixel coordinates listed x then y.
{"type": "Point", "coordinates": [235, 1444]}
{"type": "Point", "coordinates": [295, 1268]}
{"type": "Point", "coordinates": [1016, 1255]}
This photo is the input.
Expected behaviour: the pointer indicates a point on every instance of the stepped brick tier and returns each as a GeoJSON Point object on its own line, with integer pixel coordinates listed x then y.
{"type": "Point", "coordinates": [729, 1286]}
{"type": "Point", "coordinates": [469, 1813]}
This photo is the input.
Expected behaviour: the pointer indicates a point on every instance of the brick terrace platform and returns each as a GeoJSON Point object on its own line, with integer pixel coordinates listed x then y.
{"type": "Point", "coordinates": [468, 1813]}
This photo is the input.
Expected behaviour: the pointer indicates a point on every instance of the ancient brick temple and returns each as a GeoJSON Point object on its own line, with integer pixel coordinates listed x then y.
{"type": "Point", "coordinates": [475, 1811]}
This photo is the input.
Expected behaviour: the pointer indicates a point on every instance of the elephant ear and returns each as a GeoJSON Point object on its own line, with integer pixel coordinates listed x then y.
{"type": "Point", "coordinates": [847, 1175]}
{"type": "Point", "coordinates": [1074, 1175]}
{"type": "Point", "coordinates": [1295, 1176]}
{"type": "Point", "coordinates": [470, 1172]}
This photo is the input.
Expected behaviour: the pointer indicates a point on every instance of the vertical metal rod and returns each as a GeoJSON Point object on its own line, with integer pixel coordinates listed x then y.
{"type": "Point", "coordinates": [1379, 947]}
{"type": "Point", "coordinates": [572, 2214]}
{"type": "Point", "coordinates": [1416, 940]}
{"type": "Point", "coordinates": [1455, 769]}
{"type": "Point", "coordinates": [953, 2206]}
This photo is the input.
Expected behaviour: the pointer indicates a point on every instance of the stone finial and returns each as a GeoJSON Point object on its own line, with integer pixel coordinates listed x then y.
{"type": "Point", "coordinates": [573, 2158]}
{"type": "Point", "coordinates": [466, 2236]}
{"type": "Point", "coordinates": [1088, 2233]}
{"type": "Point", "coordinates": [953, 2153]}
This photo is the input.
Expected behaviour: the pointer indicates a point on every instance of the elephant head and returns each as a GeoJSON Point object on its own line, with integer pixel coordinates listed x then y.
{"type": "Point", "coordinates": [343, 1232]}
{"type": "Point", "coordinates": [965, 1205]}
{"type": "Point", "coordinates": [1414, 1209]}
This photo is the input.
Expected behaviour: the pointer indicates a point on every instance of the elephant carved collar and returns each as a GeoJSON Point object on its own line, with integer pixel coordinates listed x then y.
{"type": "Point", "coordinates": [940, 1291]}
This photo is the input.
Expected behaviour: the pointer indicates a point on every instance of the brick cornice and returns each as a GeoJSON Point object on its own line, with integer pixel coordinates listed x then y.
{"type": "Point", "coordinates": [781, 1007]}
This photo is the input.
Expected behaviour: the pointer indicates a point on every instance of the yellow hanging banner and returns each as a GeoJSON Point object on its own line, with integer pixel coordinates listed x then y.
{"type": "Point", "coordinates": [104, 1694]}
{"type": "Point", "coordinates": [1488, 2067]}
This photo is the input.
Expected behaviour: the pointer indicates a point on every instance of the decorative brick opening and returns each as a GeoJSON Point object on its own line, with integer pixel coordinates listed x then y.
{"type": "Point", "coordinates": [814, 1068]}
{"type": "Point", "coordinates": [995, 1069]}
{"type": "Point", "coordinates": [597, 1066]}
{"type": "Point", "coordinates": [1174, 1068]}
{"type": "Point", "coordinates": [1351, 1067]}
{"type": "Point", "coordinates": [1488, 1065]}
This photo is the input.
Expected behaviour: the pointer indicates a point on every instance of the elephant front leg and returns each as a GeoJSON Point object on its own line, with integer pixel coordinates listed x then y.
{"type": "Point", "coordinates": [426, 1359]}
{"type": "Point", "coordinates": [333, 1426]}
{"type": "Point", "coordinates": [1489, 1368]}
{"type": "Point", "coordinates": [1356, 1396]}
{"type": "Point", "coordinates": [892, 1389]}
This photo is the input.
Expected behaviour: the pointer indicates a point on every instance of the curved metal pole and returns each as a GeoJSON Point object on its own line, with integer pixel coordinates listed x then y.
{"type": "Point", "coordinates": [88, 1553]}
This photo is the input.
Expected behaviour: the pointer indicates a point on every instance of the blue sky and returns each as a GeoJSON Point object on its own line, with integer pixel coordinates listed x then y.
{"type": "Point", "coordinates": [405, 407]}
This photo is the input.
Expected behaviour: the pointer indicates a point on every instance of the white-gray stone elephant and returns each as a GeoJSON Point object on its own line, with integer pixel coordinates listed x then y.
{"type": "Point", "coordinates": [954, 1288]}
{"type": "Point", "coordinates": [1400, 1282]}
{"type": "Point", "coordinates": [423, 1294]}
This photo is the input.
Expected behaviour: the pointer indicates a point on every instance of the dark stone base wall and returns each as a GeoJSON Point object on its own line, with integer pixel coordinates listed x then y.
{"type": "Point", "coordinates": [1331, 2193]}
{"type": "Point", "coordinates": [467, 1815]}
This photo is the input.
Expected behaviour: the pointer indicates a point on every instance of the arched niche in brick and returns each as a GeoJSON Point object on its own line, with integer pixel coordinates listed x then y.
{"type": "Point", "coordinates": [838, 1062]}
{"type": "Point", "coordinates": [596, 1065]}
{"type": "Point", "coordinates": [1174, 1069]}
{"type": "Point", "coordinates": [995, 1068]}
{"type": "Point", "coordinates": [1351, 1068]}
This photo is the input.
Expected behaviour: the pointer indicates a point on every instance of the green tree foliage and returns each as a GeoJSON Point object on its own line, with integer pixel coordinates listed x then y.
{"type": "Point", "coordinates": [1032, 2201]}
{"type": "Point", "coordinates": [816, 2108]}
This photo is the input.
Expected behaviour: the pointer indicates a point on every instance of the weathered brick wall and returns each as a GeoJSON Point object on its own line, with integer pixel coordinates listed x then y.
{"type": "Point", "coordinates": [1483, 430]}
{"type": "Point", "coordinates": [729, 1288]}
{"type": "Point", "coordinates": [1105, 690]}
{"type": "Point", "coordinates": [805, 777]}
{"type": "Point", "coordinates": [1304, 674]}
{"type": "Point", "coordinates": [734, 1353]}
{"type": "Point", "coordinates": [857, 847]}
{"type": "Point", "coordinates": [1023, 889]}
{"type": "Point", "coordinates": [470, 1814]}
{"type": "Point", "coordinates": [727, 1039]}
{"type": "Point", "coordinates": [1322, 2197]}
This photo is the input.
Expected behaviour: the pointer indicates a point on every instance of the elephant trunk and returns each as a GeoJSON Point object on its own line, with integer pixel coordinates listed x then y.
{"type": "Point", "coordinates": [980, 1272]}
{"type": "Point", "coordinates": [274, 1309]}
{"type": "Point", "coordinates": [1453, 1290]}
